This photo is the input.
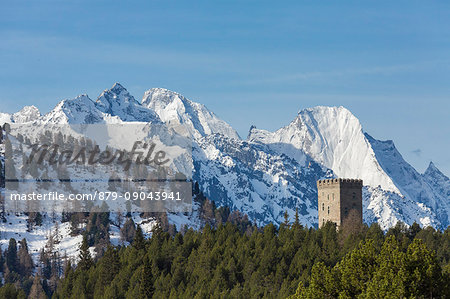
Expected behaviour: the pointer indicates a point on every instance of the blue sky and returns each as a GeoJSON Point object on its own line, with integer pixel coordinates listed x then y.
{"type": "Point", "coordinates": [251, 62]}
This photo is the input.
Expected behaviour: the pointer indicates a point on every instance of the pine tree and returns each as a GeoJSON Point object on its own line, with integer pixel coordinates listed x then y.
{"type": "Point", "coordinates": [85, 255]}
{"type": "Point", "coordinates": [37, 292]}
{"type": "Point", "coordinates": [139, 241]}
{"type": "Point", "coordinates": [145, 282]}
{"type": "Point", "coordinates": [322, 284]}
{"type": "Point", "coordinates": [425, 272]}
{"type": "Point", "coordinates": [389, 279]}
{"type": "Point", "coordinates": [128, 230]}
{"type": "Point", "coordinates": [25, 260]}
{"type": "Point", "coordinates": [357, 268]}
{"type": "Point", "coordinates": [11, 256]}
{"type": "Point", "coordinates": [286, 219]}
{"type": "Point", "coordinates": [297, 220]}
{"type": "Point", "coordinates": [109, 266]}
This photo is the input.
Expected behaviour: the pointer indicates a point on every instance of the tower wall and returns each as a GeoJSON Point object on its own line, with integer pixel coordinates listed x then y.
{"type": "Point", "coordinates": [339, 200]}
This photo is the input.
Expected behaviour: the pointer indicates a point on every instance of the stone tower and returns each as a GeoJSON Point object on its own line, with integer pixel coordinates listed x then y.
{"type": "Point", "coordinates": [339, 201]}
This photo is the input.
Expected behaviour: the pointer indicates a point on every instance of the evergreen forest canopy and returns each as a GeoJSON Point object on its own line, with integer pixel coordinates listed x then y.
{"type": "Point", "coordinates": [235, 259]}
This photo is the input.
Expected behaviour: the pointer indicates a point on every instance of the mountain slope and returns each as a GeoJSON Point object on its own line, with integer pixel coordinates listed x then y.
{"type": "Point", "coordinates": [333, 136]}
{"type": "Point", "coordinates": [410, 183]}
{"type": "Point", "coordinates": [172, 107]}
{"type": "Point", "coordinates": [117, 101]}
{"type": "Point", "coordinates": [257, 181]}
{"type": "Point", "coordinates": [80, 110]}
{"type": "Point", "coordinates": [276, 171]}
{"type": "Point", "coordinates": [437, 180]}
{"type": "Point", "coordinates": [26, 114]}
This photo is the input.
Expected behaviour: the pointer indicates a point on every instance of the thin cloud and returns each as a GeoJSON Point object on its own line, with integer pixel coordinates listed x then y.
{"type": "Point", "coordinates": [417, 152]}
{"type": "Point", "coordinates": [376, 70]}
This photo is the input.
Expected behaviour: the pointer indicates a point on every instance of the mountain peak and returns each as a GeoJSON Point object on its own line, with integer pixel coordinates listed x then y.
{"type": "Point", "coordinates": [117, 101]}
{"type": "Point", "coordinates": [116, 93]}
{"type": "Point", "coordinates": [172, 107]}
{"type": "Point", "coordinates": [432, 170]}
{"type": "Point", "coordinates": [327, 110]}
{"type": "Point", "coordinates": [162, 95]}
{"type": "Point", "coordinates": [432, 166]}
{"type": "Point", "coordinates": [26, 114]}
{"type": "Point", "coordinates": [80, 110]}
{"type": "Point", "coordinates": [117, 87]}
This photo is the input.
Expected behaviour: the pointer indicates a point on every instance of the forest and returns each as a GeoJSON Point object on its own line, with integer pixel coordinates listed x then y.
{"type": "Point", "coordinates": [232, 258]}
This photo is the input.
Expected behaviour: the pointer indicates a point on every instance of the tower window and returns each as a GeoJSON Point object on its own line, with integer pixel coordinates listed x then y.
{"type": "Point", "coordinates": [323, 207]}
{"type": "Point", "coordinates": [333, 196]}
{"type": "Point", "coordinates": [328, 210]}
{"type": "Point", "coordinates": [328, 196]}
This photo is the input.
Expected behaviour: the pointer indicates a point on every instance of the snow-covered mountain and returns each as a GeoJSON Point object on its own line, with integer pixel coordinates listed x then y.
{"type": "Point", "coordinates": [26, 114]}
{"type": "Point", "coordinates": [437, 180]}
{"type": "Point", "coordinates": [256, 180]}
{"type": "Point", "coordinates": [423, 189]}
{"type": "Point", "coordinates": [174, 108]}
{"type": "Point", "coordinates": [80, 110]}
{"type": "Point", "coordinates": [114, 105]}
{"type": "Point", "coordinates": [117, 101]}
{"type": "Point", "coordinates": [273, 172]}
{"type": "Point", "coordinates": [333, 137]}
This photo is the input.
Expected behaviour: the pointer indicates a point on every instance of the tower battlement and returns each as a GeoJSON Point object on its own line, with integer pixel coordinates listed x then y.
{"type": "Point", "coordinates": [341, 182]}
{"type": "Point", "coordinates": [340, 200]}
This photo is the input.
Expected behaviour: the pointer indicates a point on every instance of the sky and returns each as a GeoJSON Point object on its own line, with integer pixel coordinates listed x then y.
{"type": "Point", "coordinates": [251, 62]}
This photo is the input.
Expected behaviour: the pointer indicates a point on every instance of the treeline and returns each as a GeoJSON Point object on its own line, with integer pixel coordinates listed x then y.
{"type": "Point", "coordinates": [231, 260]}
{"type": "Point", "coordinates": [24, 277]}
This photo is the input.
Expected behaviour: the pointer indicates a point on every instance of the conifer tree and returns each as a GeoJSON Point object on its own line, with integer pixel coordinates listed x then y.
{"type": "Point", "coordinates": [11, 256]}
{"type": "Point", "coordinates": [145, 282]}
{"type": "Point", "coordinates": [139, 241]}
{"type": "Point", "coordinates": [425, 272]}
{"type": "Point", "coordinates": [128, 230]}
{"type": "Point", "coordinates": [297, 220]}
{"type": "Point", "coordinates": [37, 292]}
{"type": "Point", "coordinates": [25, 260]}
{"type": "Point", "coordinates": [389, 279]}
{"type": "Point", "coordinates": [286, 218]}
{"type": "Point", "coordinates": [110, 266]}
{"type": "Point", "coordinates": [85, 255]}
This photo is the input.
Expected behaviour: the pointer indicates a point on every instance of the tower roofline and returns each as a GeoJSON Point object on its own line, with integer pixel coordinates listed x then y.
{"type": "Point", "coordinates": [340, 181]}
